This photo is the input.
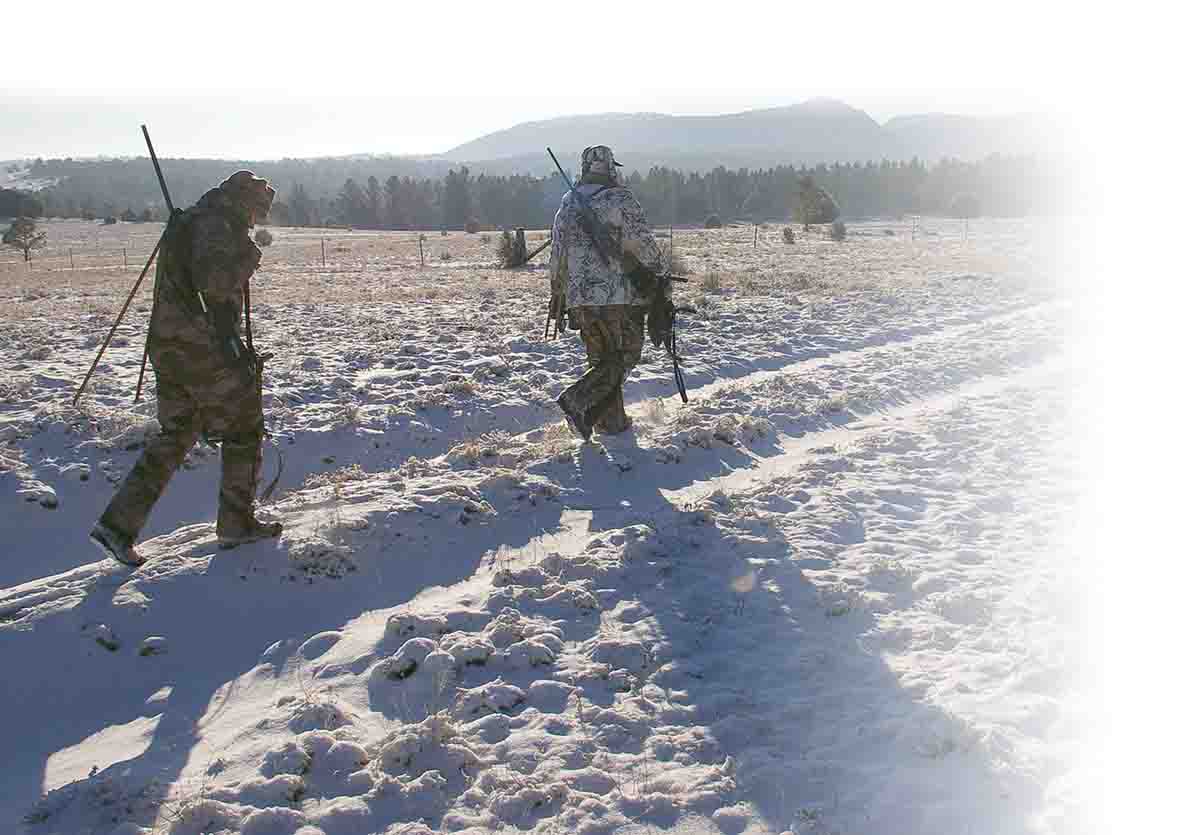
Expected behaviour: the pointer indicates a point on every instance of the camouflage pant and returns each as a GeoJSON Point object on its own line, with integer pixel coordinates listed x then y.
{"type": "Point", "coordinates": [225, 406]}
{"type": "Point", "coordinates": [613, 335]}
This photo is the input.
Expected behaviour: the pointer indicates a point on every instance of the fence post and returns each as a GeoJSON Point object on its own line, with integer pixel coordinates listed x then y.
{"type": "Point", "coordinates": [322, 253]}
{"type": "Point", "coordinates": [421, 248]}
{"type": "Point", "coordinates": [756, 236]}
{"type": "Point", "coordinates": [125, 255]}
{"type": "Point", "coordinates": [71, 255]}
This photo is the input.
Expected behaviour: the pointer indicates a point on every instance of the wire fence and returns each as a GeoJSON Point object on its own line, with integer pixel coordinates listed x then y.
{"type": "Point", "coordinates": [83, 258]}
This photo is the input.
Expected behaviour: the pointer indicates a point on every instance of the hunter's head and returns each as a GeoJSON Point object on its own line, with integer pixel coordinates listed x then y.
{"type": "Point", "coordinates": [253, 195]}
{"type": "Point", "coordinates": [597, 165]}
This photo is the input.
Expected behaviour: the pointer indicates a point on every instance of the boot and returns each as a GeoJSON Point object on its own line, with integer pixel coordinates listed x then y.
{"type": "Point", "coordinates": [241, 458]}
{"type": "Point", "coordinates": [253, 531]}
{"type": "Point", "coordinates": [576, 417]}
{"type": "Point", "coordinates": [116, 545]}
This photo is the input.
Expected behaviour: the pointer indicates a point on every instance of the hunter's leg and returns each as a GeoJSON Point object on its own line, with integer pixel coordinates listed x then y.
{"type": "Point", "coordinates": [130, 507]}
{"type": "Point", "coordinates": [587, 397]}
{"type": "Point", "coordinates": [236, 416]}
{"type": "Point", "coordinates": [627, 326]}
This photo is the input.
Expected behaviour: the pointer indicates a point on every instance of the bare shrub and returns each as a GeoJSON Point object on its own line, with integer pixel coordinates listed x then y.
{"type": "Point", "coordinates": [789, 237]}
{"type": "Point", "coordinates": [504, 248]}
{"type": "Point", "coordinates": [711, 282]}
{"type": "Point", "coordinates": [263, 237]}
{"type": "Point", "coordinates": [678, 265]}
{"type": "Point", "coordinates": [837, 230]}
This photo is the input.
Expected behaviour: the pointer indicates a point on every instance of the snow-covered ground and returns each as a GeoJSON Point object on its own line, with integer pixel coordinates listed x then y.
{"type": "Point", "coordinates": [834, 593]}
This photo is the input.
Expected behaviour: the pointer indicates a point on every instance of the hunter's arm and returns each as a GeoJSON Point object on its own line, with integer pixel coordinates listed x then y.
{"type": "Point", "coordinates": [637, 239]}
{"type": "Point", "coordinates": [558, 258]}
{"type": "Point", "coordinates": [222, 260]}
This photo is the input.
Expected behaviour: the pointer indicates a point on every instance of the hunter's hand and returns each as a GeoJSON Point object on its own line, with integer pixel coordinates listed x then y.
{"type": "Point", "coordinates": [252, 256]}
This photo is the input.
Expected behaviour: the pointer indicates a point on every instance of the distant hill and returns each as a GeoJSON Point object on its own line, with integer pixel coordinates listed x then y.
{"type": "Point", "coordinates": [818, 130]}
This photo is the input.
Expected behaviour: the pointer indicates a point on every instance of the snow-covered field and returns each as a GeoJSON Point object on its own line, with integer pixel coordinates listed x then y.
{"type": "Point", "coordinates": [835, 593]}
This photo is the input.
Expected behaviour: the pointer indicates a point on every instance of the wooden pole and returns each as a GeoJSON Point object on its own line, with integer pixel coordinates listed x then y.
{"type": "Point", "coordinates": [117, 323]}
{"type": "Point", "coordinates": [540, 247]}
{"type": "Point", "coordinates": [756, 236]}
{"type": "Point", "coordinates": [322, 253]}
{"type": "Point", "coordinates": [421, 248]}
{"type": "Point", "coordinates": [71, 255]}
{"type": "Point", "coordinates": [125, 256]}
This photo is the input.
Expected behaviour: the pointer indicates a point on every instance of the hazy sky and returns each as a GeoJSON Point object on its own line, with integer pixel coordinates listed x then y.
{"type": "Point", "coordinates": [260, 80]}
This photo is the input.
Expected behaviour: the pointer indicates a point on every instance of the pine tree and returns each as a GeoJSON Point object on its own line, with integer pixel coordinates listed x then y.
{"type": "Point", "coordinates": [352, 204]}
{"type": "Point", "coordinates": [456, 204]}
{"type": "Point", "coordinates": [374, 204]}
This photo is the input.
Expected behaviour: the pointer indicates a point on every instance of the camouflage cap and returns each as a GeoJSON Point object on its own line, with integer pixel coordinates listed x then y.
{"type": "Point", "coordinates": [251, 192]}
{"type": "Point", "coordinates": [597, 161]}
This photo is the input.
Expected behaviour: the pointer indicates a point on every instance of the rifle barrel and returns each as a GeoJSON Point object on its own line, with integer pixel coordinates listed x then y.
{"type": "Point", "coordinates": [162, 183]}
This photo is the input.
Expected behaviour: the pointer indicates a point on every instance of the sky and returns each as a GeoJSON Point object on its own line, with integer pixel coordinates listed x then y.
{"type": "Point", "coordinates": [266, 80]}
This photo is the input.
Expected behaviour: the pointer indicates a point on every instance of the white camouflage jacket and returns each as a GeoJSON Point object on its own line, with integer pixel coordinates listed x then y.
{"type": "Point", "coordinates": [577, 268]}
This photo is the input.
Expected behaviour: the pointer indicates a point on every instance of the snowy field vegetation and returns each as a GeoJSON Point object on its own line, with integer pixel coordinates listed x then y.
{"type": "Point", "coordinates": [834, 593]}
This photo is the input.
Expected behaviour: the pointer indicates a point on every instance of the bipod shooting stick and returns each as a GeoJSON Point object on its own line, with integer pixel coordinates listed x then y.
{"type": "Point", "coordinates": [117, 323]}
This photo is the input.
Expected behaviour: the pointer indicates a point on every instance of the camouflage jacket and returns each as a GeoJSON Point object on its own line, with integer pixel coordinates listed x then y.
{"type": "Point", "coordinates": [211, 253]}
{"type": "Point", "coordinates": [577, 269]}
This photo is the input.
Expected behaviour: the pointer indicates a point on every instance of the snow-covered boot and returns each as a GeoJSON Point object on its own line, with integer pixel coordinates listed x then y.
{"type": "Point", "coordinates": [116, 545]}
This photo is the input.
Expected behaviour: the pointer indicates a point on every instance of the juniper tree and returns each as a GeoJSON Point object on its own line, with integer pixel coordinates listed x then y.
{"type": "Point", "coordinates": [23, 234]}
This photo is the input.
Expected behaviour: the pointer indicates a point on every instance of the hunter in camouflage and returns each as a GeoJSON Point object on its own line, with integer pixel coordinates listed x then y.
{"type": "Point", "coordinates": [597, 290]}
{"type": "Point", "coordinates": [207, 377]}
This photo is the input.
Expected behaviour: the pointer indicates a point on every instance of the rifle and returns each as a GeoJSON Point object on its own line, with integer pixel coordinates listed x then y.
{"type": "Point", "coordinates": [260, 361]}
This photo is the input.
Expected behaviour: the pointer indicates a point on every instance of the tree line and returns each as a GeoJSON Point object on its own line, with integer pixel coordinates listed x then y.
{"type": "Point", "coordinates": [998, 186]}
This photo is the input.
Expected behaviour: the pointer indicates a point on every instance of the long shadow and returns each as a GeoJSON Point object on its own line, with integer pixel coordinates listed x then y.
{"type": "Point", "coordinates": [219, 612]}
{"type": "Point", "coordinates": [788, 680]}
{"type": "Point", "coordinates": [736, 625]}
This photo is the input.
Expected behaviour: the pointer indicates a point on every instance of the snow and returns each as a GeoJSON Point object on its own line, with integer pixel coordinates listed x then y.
{"type": "Point", "coordinates": [834, 593]}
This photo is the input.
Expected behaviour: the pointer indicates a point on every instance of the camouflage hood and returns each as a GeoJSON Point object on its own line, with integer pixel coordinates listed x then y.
{"type": "Point", "coordinates": [239, 196]}
{"type": "Point", "coordinates": [596, 165]}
